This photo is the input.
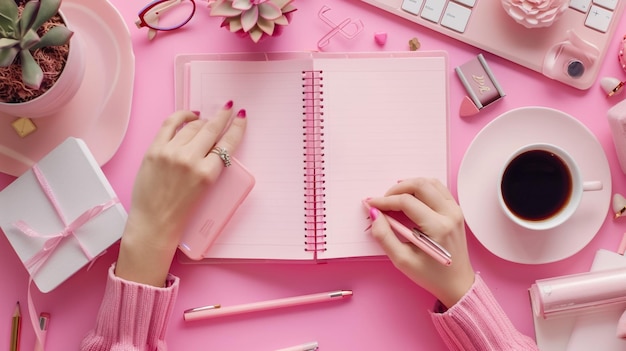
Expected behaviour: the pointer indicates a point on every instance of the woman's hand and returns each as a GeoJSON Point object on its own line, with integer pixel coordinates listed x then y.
{"type": "Point", "coordinates": [177, 169]}
{"type": "Point", "coordinates": [429, 204]}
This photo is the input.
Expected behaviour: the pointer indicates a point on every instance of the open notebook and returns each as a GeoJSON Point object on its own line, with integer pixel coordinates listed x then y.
{"type": "Point", "coordinates": [325, 130]}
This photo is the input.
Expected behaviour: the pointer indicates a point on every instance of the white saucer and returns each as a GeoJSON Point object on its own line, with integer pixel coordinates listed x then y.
{"type": "Point", "coordinates": [478, 178]}
{"type": "Point", "coordinates": [100, 111]}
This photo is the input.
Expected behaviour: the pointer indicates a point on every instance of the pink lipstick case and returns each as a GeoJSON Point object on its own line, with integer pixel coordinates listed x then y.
{"type": "Point", "coordinates": [481, 85]}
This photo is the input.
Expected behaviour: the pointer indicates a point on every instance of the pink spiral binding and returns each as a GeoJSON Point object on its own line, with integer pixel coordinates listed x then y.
{"type": "Point", "coordinates": [313, 139]}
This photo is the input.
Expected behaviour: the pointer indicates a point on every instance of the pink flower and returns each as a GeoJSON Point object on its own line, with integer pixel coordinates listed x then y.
{"type": "Point", "coordinates": [535, 13]}
{"type": "Point", "coordinates": [249, 10]}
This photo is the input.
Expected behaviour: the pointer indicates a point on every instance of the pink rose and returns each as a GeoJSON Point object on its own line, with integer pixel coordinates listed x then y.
{"type": "Point", "coordinates": [535, 13]}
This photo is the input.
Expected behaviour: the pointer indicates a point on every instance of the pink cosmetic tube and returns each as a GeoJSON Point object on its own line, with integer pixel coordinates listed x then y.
{"type": "Point", "coordinates": [578, 293]}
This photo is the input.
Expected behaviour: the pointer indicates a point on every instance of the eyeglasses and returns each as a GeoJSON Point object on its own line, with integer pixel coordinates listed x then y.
{"type": "Point", "coordinates": [166, 15]}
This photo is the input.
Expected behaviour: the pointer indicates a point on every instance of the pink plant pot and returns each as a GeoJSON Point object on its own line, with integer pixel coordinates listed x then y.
{"type": "Point", "coordinates": [61, 92]}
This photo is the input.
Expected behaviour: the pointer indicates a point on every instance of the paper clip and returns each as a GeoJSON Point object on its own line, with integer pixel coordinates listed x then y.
{"type": "Point", "coordinates": [347, 28]}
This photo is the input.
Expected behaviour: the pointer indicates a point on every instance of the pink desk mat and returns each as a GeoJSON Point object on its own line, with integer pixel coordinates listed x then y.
{"type": "Point", "coordinates": [387, 311]}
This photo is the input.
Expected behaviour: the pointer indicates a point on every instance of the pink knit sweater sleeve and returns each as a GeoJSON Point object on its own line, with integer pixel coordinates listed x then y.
{"type": "Point", "coordinates": [132, 316]}
{"type": "Point", "coordinates": [478, 323]}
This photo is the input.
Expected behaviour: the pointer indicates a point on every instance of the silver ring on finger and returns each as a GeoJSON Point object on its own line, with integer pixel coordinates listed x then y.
{"type": "Point", "coordinates": [223, 154]}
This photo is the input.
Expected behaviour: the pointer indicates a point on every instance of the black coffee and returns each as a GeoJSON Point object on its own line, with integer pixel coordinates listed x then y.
{"type": "Point", "coordinates": [536, 185]}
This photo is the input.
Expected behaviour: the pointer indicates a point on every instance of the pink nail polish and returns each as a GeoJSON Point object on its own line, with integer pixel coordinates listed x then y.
{"type": "Point", "coordinates": [374, 212]}
{"type": "Point", "coordinates": [228, 105]}
{"type": "Point", "coordinates": [197, 113]}
{"type": "Point", "coordinates": [241, 113]}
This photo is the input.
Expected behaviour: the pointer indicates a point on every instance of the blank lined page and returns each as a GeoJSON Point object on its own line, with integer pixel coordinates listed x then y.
{"type": "Point", "coordinates": [385, 119]}
{"type": "Point", "coordinates": [270, 222]}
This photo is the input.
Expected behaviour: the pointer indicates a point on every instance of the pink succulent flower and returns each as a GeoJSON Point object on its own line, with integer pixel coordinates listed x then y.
{"type": "Point", "coordinates": [256, 18]}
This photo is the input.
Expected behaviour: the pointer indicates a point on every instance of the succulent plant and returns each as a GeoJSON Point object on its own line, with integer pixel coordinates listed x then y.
{"type": "Point", "coordinates": [19, 35]}
{"type": "Point", "coordinates": [254, 18]}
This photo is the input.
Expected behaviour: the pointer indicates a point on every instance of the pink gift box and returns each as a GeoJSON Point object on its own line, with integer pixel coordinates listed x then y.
{"type": "Point", "coordinates": [61, 214]}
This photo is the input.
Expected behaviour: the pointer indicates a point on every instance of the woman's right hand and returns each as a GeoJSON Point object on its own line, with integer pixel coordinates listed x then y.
{"type": "Point", "coordinates": [431, 206]}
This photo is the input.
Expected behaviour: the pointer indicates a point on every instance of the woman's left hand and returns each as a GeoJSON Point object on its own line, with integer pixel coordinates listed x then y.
{"type": "Point", "coordinates": [175, 173]}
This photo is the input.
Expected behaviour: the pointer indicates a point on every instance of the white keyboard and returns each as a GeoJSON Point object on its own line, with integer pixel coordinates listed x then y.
{"type": "Point", "coordinates": [570, 51]}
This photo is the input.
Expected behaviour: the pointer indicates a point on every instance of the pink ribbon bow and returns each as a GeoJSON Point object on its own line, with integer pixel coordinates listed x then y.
{"type": "Point", "coordinates": [52, 242]}
{"type": "Point", "coordinates": [34, 263]}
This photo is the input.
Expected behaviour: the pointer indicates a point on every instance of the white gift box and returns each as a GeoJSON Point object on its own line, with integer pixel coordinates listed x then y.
{"type": "Point", "coordinates": [35, 228]}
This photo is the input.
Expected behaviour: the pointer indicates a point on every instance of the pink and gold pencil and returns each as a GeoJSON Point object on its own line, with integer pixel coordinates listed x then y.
{"type": "Point", "coordinates": [419, 239]}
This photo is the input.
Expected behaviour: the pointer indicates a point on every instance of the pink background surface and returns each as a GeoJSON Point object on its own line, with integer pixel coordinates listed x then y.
{"type": "Point", "coordinates": [387, 311]}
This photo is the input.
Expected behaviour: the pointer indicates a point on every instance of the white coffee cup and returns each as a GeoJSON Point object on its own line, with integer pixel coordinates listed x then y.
{"type": "Point", "coordinates": [540, 186]}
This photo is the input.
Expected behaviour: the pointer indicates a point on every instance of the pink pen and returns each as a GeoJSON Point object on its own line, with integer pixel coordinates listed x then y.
{"type": "Point", "coordinates": [312, 346]}
{"type": "Point", "coordinates": [44, 320]}
{"type": "Point", "coordinates": [219, 311]}
{"type": "Point", "coordinates": [419, 239]}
